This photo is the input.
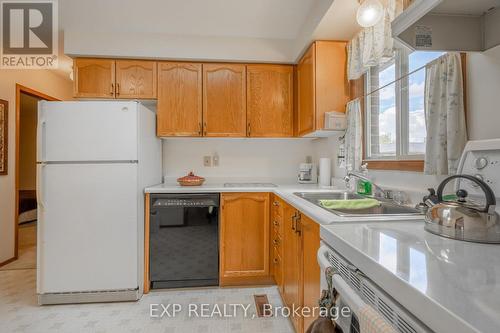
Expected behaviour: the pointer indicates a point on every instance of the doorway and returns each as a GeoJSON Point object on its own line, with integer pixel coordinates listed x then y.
{"type": "Point", "coordinates": [25, 178]}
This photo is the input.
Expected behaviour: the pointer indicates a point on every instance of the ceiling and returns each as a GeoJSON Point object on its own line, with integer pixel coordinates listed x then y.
{"type": "Point", "coordinates": [223, 30]}
{"type": "Point", "coordinates": [272, 19]}
{"type": "Point", "coordinates": [339, 22]}
{"type": "Point", "coordinates": [468, 7]}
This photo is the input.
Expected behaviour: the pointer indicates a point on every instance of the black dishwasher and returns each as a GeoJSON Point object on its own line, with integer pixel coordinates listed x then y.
{"type": "Point", "coordinates": [184, 240]}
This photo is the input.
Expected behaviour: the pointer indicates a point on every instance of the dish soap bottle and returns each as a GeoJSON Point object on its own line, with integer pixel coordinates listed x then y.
{"type": "Point", "coordinates": [364, 187]}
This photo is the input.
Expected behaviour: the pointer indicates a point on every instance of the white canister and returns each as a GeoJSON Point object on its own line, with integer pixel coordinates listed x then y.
{"type": "Point", "coordinates": [325, 171]}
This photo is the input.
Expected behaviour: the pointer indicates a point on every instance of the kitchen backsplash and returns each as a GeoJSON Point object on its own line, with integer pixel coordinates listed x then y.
{"type": "Point", "coordinates": [239, 158]}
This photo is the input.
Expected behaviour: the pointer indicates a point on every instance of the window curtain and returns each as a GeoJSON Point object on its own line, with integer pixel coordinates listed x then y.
{"type": "Point", "coordinates": [353, 136]}
{"type": "Point", "coordinates": [445, 115]}
{"type": "Point", "coordinates": [373, 46]}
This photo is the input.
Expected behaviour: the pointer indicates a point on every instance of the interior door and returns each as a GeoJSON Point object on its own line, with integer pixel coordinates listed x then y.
{"type": "Point", "coordinates": [87, 131]}
{"type": "Point", "coordinates": [87, 229]}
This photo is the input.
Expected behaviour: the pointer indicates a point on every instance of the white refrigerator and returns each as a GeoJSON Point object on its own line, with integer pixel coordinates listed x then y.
{"type": "Point", "coordinates": [93, 161]}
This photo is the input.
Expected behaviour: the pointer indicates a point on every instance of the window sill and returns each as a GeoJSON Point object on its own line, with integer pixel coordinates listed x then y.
{"type": "Point", "coordinates": [401, 165]}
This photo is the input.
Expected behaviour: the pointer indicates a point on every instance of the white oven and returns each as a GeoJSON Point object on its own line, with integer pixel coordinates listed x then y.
{"type": "Point", "coordinates": [355, 291]}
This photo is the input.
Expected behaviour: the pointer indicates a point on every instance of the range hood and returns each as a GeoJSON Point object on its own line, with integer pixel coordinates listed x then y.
{"type": "Point", "coordinates": [449, 25]}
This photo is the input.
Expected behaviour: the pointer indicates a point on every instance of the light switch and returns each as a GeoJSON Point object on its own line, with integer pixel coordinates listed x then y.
{"type": "Point", "coordinates": [215, 160]}
{"type": "Point", "coordinates": [207, 161]}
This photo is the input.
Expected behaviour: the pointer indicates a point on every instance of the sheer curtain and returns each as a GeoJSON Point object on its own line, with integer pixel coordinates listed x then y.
{"type": "Point", "coordinates": [353, 136]}
{"type": "Point", "coordinates": [445, 115]}
{"type": "Point", "coordinates": [373, 46]}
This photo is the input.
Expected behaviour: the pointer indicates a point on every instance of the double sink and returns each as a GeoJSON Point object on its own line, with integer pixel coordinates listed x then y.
{"type": "Point", "coordinates": [386, 207]}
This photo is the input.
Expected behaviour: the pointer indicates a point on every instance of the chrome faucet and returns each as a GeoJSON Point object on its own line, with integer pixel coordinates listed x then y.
{"type": "Point", "coordinates": [385, 194]}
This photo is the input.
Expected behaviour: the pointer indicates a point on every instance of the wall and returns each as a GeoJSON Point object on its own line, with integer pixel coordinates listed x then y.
{"type": "Point", "coordinates": [483, 123]}
{"type": "Point", "coordinates": [484, 96]}
{"type": "Point", "coordinates": [46, 82]}
{"type": "Point", "coordinates": [27, 142]}
{"type": "Point", "coordinates": [240, 159]}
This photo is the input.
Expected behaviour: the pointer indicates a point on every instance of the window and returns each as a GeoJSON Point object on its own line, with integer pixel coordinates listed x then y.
{"type": "Point", "coordinates": [394, 111]}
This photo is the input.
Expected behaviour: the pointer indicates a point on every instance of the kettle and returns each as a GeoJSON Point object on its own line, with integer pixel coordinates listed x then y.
{"type": "Point", "coordinates": [462, 219]}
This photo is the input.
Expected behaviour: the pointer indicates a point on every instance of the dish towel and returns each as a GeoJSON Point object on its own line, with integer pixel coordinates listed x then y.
{"type": "Point", "coordinates": [370, 321]}
{"type": "Point", "coordinates": [350, 204]}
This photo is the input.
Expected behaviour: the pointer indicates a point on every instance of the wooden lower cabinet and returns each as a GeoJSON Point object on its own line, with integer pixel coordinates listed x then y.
{"type": "Point", "coordinates": [244, 239]}
{"type": "Point", "coordinates": [292, 263]}
{"type": "Point", "coordinates": [311, 272]}
{"type": "Point", "coordinates": [295, 268]}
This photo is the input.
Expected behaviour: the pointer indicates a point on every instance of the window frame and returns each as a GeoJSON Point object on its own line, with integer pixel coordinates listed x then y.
{"type": "Point", "coordinates": [402, 160]}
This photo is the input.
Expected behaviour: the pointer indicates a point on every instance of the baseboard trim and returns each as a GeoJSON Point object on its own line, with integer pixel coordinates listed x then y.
{"type": "Point", "coordinates": [89, 297]}
{"type": "Point", "coordinates": [8, 261]}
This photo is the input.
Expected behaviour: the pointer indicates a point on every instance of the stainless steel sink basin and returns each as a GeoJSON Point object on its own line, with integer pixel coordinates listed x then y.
{"type": "Point", "coordinates": [387, 207]}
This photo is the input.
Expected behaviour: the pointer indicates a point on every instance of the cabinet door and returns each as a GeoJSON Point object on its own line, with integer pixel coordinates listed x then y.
{"type": "Point", "coordinates": [244, 238]}
{"type": "Point", "coordinates": [94, 78]}
{"type": "Point", "coordinates": [332, 87]}
{"type": "Point", "coordinates": [179, 99]}
{"type": "Point", "coordinates": [224, 100]}
{"type": "Point", "coordinates": [310, 267]}
{"type": "Point", "coordinates": [292, 262]}
{"type": "Point", "coordinates": [270, 100]}
{"type": "Point", "coordinates": [135, 79]}
{"type": "Point", "coordinates": [306, 92]}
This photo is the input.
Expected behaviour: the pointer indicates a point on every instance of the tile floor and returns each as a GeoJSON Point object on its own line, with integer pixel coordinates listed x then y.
{"type": "Point", "coordinates": [27, 248]}
{"type": "Point", "coordinates": [19, 311]}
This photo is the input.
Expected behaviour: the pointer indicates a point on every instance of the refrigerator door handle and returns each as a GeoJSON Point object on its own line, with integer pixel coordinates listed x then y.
{"type": "Point", "coordinates": [39, 185]}
{"type": "Point", "coordinates": [41, 139]}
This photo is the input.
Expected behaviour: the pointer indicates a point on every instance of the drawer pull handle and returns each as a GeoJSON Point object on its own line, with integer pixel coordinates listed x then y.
{"type": "Point", "coordinates": [276, 223]}
{"type": "Point", "coordinates": [276, 261]}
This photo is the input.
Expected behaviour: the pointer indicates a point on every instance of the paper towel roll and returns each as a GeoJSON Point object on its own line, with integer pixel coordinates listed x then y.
{"type": "Point", "coordinates": [325, 171]}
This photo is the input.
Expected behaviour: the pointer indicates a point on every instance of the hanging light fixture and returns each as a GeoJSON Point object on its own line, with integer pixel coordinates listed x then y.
{"type": "Point", "coordinates": [369, 13]}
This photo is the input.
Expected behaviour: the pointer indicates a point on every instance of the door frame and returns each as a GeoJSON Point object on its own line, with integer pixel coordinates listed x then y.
{"type": "Point", "coordinates": [20, 89]}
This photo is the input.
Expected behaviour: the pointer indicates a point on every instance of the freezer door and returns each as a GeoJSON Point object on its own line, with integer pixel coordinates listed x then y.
{"type": "Point", "coordinates": [87, 131]}
{"type": "Point", "coordinates": [87, 227]}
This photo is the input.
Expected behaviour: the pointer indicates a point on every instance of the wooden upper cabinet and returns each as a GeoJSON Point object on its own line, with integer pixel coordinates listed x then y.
{"type": "Point", "coordinates": [135, 79]}
{"type": "Point", "coordinates": [94, 78]}
{"type": "Point", "coordinates": [306, 93]}
{"type": "Point", "coordinates": [270, 100]}
{"type": "Point", "coordinates": [179, 99]}
{"type": "Point", "coordinates": [322, 84]}
{"type": "Point", "coordinates": [244, 238]}
{"type": "Point", "coordinates": [224, 100]}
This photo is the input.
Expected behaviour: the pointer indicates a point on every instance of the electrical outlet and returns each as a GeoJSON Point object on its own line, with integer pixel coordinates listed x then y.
{"type": "Point", "coordinates": [207, 161]}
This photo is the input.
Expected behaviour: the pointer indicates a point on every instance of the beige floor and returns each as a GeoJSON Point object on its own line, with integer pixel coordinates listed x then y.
{"type": "Point", "coordinates": [19, 311]}
{"type": "Point", "coordinates": [27, 248]}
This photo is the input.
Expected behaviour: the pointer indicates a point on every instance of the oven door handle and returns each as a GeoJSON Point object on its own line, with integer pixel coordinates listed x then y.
{"type": "Point", "coordinates": [347, 294]}
{"type": "Point", "coordinates": [323, 257]}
